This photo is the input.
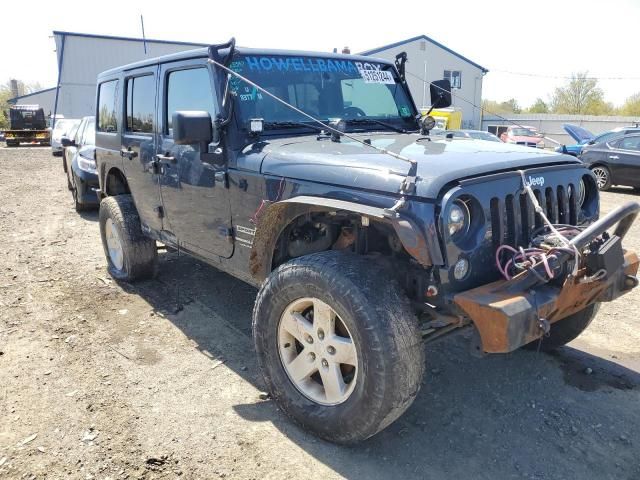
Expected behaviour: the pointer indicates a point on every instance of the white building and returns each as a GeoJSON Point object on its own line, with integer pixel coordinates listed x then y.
{"type": "Point", "coordinates": [429, 60]}
{"type": "Point", "coordinates": [81, 57]}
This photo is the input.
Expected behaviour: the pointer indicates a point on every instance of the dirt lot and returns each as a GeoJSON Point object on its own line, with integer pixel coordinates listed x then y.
{"type": "Point", "coordinates": [100, 380]}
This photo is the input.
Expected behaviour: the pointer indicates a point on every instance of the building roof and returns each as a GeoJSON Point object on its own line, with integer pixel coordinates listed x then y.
{"type": "Point", "coordinates": [128, 39]}
{"type": "Point", "coordinates": [428, 39]}
{"type": "Point", "coordinates": [15, 99]}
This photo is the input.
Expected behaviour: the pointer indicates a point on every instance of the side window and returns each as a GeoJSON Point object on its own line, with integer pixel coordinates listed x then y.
{"type": "Point", "coordinates": [107, 120]}
{"type": "Point", "coordinates": [630, 143]}
{"type": "Point", "coordinates": [141, 104]}
{"type": "Point", "coordinates": [454, 77]}
{"type": "Point", "coordinates": [188, 90]}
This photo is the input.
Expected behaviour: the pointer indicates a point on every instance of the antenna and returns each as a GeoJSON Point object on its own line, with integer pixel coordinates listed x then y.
{"type": "Point", "coordinates": [144, 39]}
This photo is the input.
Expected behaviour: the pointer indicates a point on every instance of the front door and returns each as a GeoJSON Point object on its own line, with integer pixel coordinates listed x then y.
{"type": "Point", "coordinates": [194, 192]}
{"type": "Point", "coordinates": [138, 144]}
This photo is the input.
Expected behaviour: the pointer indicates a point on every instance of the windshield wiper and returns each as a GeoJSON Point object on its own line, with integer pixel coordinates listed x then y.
{"type": "Point", "coordinates": [363, 121]}
{"type": "Point", "coordinates": [276, 125]}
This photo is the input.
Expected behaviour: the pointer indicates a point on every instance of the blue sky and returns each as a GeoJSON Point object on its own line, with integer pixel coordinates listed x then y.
{"type": "Point", "coordinates": [538, 41]}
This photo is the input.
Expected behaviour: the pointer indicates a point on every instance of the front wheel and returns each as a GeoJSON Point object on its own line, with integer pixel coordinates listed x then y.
{"type": "Point", "coordinates": [130, 254]}
{"type": "Point", "coordinates": [603, 177]}
{"type": "Point", "coordinates": [338, 345]}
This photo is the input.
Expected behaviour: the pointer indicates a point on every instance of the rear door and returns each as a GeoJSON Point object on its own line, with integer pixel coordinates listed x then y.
{"type": "Point", "coordinates": [626, 157]}
{"type": "Point", "coordinates": [194, 193]}
{"type": "Point", "coordinates": [139, 143]}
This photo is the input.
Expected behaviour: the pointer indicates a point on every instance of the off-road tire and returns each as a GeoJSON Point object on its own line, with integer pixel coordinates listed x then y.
{"type": "Point", "coordinates": [139, 251]}
{"type": "Point", "coordinates": [384, 329]}
{"type": "Point", "coordinates": [565, 330]}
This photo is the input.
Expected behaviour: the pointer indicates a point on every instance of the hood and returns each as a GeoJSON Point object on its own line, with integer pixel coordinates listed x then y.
{"type": "Point", "coordinates": [579, 134]}
{"type": "Point", "coordinates": [352, 165]}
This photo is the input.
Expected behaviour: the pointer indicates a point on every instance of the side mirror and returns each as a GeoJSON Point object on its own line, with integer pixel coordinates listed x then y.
{"type": "Point", "coordinates": [66, 142]}
{"type": "Point", "coordinates": [191, 127]}
{"type": "Point", "coordinates": [440, 91]}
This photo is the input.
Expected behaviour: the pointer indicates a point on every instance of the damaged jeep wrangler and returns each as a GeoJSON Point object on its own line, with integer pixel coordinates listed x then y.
{"type": "Point", "coordinates": [313, 177]}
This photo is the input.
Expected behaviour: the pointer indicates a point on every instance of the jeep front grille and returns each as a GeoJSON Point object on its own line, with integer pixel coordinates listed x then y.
{"type": "Point", "coordinates": [513, 218]}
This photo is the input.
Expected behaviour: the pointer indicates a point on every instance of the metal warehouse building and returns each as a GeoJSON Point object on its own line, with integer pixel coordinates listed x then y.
{"type": "Point", "coordinates": [81, 57]}
{"type": "Point", "coordinates": [45, 98]}
{"type": "Point", "coordinates": [429, 60]}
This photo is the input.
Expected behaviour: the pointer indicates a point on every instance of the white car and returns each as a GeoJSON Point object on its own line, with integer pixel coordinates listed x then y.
{"type": "Point", "coordinates": [62, 128]}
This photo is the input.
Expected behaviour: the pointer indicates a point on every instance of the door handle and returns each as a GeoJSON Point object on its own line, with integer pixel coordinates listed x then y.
{"type": "Point", "coordinates": [165, 158]}
{"type": "Point", "coordinates": [614, 157]}
{"type": "Point", "coordinates": [128, 153]}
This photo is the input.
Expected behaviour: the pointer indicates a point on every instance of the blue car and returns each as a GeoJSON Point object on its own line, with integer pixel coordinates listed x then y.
{"type": "Point", "coordinates": [584, 137]}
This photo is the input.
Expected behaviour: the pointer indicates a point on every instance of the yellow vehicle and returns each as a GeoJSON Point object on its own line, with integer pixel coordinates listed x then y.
{"type": "Point", "coordinates": [447, 118]}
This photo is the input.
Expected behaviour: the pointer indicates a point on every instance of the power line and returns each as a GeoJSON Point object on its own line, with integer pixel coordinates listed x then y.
{"type": "Point", "coordinates": [561, 77]}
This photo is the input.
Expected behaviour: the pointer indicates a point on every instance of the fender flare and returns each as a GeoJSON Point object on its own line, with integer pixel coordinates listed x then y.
{"type": "Point", "coordinates": [278, 216]}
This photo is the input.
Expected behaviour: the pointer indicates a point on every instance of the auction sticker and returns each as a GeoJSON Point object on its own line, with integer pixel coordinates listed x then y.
{"type": "Point", "coordinates": [377, 76]}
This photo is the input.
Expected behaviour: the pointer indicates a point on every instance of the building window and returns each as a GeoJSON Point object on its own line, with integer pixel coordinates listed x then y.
{"type": "Point", "coordinates": [454, 77]}
{"type": "Point", "coordinates": [141, 101]}
{"type": "Point", "coordinates": [107, 120]}
{"type": "Point", "coordinates": [423, 45]}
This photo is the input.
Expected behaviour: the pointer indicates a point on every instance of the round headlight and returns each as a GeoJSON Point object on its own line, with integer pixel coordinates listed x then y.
{"type": "Point", "coordinates": [458, 220]}
{"type": "Point", "coordinates": [428, 123]}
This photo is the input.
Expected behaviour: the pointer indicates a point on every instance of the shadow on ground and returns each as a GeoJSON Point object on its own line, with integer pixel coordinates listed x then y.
{"type": "Point", "coordinates": [522, 415]}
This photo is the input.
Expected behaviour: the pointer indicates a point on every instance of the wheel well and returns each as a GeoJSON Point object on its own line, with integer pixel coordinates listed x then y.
{"type": "Point", "coordinates": [317, 231]}
{"type": "Point", "coordinates": [116, 183]}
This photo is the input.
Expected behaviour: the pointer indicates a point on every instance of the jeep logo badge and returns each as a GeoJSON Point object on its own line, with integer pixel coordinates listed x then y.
{"type": "Point", "coordinates": [536, 181]}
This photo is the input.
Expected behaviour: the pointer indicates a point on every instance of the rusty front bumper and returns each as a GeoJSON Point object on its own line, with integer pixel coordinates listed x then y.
{"type": "Point", "coordinates": [507, 314]}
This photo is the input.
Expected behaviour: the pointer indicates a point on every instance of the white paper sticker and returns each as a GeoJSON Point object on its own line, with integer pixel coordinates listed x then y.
{"type": "Point", "coordinates": [377, 76]}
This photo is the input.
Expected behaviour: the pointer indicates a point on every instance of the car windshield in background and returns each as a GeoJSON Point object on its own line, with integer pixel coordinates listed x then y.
{"type": "Point", "coordinates": [523, 132]}
{"type": "Point", "coordinates": [484, 136]}
{"type": "Point", "coordinates": [90, 133]}
{"type": "Point", "coordinates": [63, 125]}
{"type": "Point", "coordinates": [326, 88]}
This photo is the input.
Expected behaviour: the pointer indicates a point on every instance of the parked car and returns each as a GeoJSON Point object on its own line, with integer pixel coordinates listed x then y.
{"type": "Point", "coordinates": [584, 137]}
{"type": "Point", "coordinates": [1, 136]}
{"type": "Point", "coordinates": [80, 165]}
{"type": "Point", "coordinates": [614, 161]}
{"type": "Point", "coordinates": [63, 127]}
{"type": "Point", "coordinates": [476, 134]}
{"type": "Point", "coordinates": [522, 135]}
{"type": "Point", "coordinates": [353, 231]}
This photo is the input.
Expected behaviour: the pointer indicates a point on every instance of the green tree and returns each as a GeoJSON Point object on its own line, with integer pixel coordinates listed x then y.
{"type": "Point", "coordinates": [510, 106]}
{"type": "Point", "coordinates": [631, 106]}
{"type": "Point", "coordinates": [582, 96]}
{"type": "Point", "coordinates": [539, 106]}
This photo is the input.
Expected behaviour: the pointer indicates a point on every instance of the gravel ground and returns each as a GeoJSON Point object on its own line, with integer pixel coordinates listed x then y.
{"type": "Point", "coordinates": [159, 380]}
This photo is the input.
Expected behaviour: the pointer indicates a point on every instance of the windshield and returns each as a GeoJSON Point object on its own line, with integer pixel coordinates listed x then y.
{"type": "Point", "coordinates": [484, 136]}
{"type": "Point", "coordinates": [326, 88]}
{"type": "Point", "coordinates": [523, 132]}
{"type": "Point", "coordinates": [64, 125]}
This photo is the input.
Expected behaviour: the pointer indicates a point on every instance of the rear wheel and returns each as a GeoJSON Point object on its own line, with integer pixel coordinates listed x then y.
{"type": "Point", "coordinates": [130, 254]}
{"type": "Point", "coordinates": [603, 177]}
{"type": "Point", "coordinates": [566, 330]}
{"type": "Point", "coordinates": [339, 347]}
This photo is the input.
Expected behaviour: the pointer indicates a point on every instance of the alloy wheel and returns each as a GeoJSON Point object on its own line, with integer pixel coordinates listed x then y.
{"type": "Point", "coordinates": [317, 351]}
